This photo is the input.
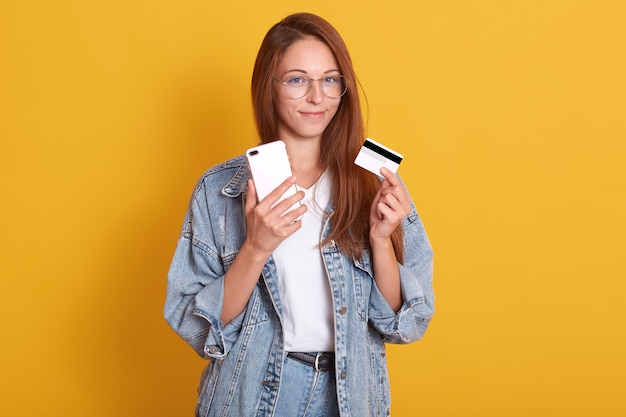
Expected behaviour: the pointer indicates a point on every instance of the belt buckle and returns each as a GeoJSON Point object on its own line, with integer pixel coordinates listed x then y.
{"type": "Point", "coordinates": [316, 364]}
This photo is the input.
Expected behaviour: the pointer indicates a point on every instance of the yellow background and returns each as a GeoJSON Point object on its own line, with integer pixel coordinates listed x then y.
{"type": "Point", "coordinates": [511, 117]}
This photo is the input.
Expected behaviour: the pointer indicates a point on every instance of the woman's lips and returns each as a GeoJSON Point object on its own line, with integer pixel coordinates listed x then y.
{"type": "Point", "coordinates": [313, 115]}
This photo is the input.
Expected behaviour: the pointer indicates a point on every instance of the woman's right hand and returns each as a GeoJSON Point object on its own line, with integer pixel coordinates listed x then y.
{"type": "Point", "coordinates": [268, 226]}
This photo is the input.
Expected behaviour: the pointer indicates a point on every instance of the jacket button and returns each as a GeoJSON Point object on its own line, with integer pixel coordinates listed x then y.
{"type": "Point", "coordinates": [343, 310]}
{"type": "Point", "coordinates": [343, 375]}
{"type": "Point", "coordinates": [213, 349]}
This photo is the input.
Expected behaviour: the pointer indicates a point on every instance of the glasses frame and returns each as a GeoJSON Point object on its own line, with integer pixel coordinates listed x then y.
{"type": "Point", "coordinates": [308, 89]}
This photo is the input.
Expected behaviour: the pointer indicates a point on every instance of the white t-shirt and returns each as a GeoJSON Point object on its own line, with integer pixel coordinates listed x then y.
{"type": "Point", "coordinates": [303, 283]}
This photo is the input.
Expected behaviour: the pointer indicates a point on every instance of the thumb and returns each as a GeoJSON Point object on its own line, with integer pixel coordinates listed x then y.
{"type": "Point", "coordinates": [251, 198]}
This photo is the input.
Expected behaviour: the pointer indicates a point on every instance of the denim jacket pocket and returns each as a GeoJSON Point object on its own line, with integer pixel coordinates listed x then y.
{"type": "Point", "coordinates": [258, 309]}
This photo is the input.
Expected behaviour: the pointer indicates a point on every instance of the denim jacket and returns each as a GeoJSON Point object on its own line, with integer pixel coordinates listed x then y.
{"type": "Point", "coordinates": [246, 355]}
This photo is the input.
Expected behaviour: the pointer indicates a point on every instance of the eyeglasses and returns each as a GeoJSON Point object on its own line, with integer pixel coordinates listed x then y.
{"type": "Point", "coordinates": [298, 86]}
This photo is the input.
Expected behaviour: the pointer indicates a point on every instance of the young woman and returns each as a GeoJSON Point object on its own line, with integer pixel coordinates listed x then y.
{"type": "Point", "coordinates": [293, 309]}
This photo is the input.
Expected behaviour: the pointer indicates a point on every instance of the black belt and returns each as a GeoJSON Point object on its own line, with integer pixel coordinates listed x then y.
{"type": "Point", "coordinates": [322, 361]}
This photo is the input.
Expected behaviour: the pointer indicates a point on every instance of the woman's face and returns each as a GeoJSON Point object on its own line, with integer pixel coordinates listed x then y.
{"type": "Point", "coordinates": [308, 116]}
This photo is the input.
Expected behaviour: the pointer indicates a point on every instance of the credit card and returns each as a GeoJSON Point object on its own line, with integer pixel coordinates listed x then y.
{"type": "Point", "coordinates": [373, 156]}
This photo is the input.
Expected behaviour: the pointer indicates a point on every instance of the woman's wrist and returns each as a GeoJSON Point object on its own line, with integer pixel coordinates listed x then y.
{"type": "Point", "coordinates": [377, 242]}
{"type": "Point", "coordinates": [253, 253]}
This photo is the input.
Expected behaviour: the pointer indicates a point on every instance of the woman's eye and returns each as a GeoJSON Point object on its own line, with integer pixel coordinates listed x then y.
{"type": "Point", "coordinates": [331, 80]}
{"type": "Point", "coordinates": [296, 81]}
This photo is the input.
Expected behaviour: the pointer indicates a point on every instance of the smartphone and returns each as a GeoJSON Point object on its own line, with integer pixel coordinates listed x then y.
{"type": "Point", "coordinates": [270, 167]}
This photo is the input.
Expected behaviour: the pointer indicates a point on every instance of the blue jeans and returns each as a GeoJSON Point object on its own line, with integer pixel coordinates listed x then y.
{"type": "Point", "coordinates": [305, 392]}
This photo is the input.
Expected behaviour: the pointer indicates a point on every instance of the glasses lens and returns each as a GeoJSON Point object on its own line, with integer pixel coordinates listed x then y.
{"type": "Point", "coordinates": [296, 87]}
{"type": "Point", "coordinates": [333, 86]}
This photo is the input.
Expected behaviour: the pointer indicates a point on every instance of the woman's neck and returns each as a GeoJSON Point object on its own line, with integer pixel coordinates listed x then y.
{"type": "Point", "coordinates": [305, 162]}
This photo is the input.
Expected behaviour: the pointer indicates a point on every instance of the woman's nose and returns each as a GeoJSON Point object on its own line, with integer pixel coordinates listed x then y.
{"type": "Point", "coordinates": [315, 93]}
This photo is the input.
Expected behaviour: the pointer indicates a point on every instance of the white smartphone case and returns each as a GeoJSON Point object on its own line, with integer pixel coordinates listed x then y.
{"type": "Point", "coordinates": [270, 167]}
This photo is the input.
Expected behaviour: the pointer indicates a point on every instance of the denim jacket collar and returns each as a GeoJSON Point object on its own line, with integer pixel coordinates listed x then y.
{"type": "Point", "coordinates": [238, 184]}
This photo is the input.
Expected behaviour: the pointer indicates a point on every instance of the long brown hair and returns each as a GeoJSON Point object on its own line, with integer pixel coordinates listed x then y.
{"type": "Point", "coordinates": [353, 188]}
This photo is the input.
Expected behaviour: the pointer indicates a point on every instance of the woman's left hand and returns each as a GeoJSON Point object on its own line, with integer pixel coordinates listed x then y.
{"type": "Point", "coordinates": [391, 204]}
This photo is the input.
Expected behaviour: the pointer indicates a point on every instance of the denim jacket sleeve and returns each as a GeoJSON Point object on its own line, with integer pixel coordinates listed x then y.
{"type": "Point", "coordinates": [416, 274]}
{"type": "Point", "coordinates": [195, 290]}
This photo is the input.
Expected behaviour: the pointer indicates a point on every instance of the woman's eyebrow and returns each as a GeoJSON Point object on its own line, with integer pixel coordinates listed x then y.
{"type": "Point", "coordinates": [306, 72]}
